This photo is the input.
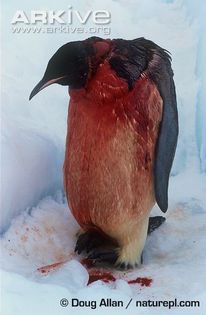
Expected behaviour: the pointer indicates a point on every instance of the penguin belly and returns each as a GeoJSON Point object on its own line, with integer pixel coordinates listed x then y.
{"type": "Point", "coordinates": [109, 159]}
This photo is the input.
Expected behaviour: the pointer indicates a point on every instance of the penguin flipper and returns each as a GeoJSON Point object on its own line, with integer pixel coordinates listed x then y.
{"type": "Point", "coordinates": [168, 134]}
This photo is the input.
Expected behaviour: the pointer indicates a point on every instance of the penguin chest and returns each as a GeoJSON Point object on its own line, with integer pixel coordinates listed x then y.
{"type": "Point", "coordinates": [108, 170]}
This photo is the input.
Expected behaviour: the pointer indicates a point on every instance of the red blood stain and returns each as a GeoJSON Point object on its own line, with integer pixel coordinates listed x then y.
{"type": "Point", "coordinates": [89, 263]}
{"type": "Point", "coordinates": [95, 275]}
{"type": "Point", "coordinates": [98, 275]}
{"type": "Point", "coordinates": [46, 269]}
{"type": "Point", "coordinates": [142, 281]}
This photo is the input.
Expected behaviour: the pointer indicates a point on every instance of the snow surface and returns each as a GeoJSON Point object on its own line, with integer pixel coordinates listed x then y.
{"type": "Point", "coordinates": [36, 224]}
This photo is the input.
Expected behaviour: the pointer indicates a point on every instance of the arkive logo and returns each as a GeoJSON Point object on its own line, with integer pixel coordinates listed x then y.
{"type": "Point", "coordinates": [70, 16]}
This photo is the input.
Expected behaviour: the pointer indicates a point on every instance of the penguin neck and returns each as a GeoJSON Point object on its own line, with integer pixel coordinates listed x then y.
{"type": "Point", "coordinates": [104, 87]}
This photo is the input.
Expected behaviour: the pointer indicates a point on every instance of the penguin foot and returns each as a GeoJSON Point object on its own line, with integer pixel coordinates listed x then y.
{"type": "Point", "coordinates": [109, 257]}
{"type": "Point", "coordinates": [126, 266]}
{"type": "Point", "coordinates": [106, 252]}
{"type": "Point", "coordinates": [88, 241]}
{"type": "Point", "coordinates": [154, 223]}
{"type": "Point", "coordinates": [104, 256]}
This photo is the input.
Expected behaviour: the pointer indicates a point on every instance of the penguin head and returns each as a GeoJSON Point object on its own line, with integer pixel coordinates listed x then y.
{"type": "Point", "coordinates": [73, 64]}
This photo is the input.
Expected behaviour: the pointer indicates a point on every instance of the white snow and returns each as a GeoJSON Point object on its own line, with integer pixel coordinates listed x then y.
{"type": "Point", "coordinates": [36, 224]}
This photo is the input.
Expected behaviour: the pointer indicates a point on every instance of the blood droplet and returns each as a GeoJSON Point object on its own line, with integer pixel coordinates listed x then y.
{"type": "Point", "coordinates": [103, 276]}
{"type": "Point", "coordinates": [142, 281]}
{"type": "Point", "coordinates": [46, 269]}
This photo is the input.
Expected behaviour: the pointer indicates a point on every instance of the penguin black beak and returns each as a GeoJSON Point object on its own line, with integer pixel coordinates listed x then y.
{"type": "Point", "coordinates": [43, 84]}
